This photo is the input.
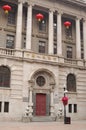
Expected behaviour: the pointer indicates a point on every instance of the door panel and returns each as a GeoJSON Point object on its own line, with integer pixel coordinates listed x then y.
{"type": "Point", "coordinates": [40, 104]}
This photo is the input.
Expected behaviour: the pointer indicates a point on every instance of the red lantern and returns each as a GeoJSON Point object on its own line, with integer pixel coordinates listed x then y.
{"type": "Point", "coordinates": [6, 8]}
{"type": "Point", "coordinates": [39, 17]}
{"type": "Point", "coordinates": [65, 100]}
{"type": "Point", "coordinates": [67, 24]}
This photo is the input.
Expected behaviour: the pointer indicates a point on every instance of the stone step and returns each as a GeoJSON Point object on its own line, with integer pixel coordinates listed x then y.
{"type": "Point", "coordinates": [43, 119]}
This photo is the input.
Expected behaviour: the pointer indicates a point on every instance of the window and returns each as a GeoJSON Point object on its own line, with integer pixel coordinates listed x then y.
{"type": "Point", "coordinates": [69, 52]}
{"type": "Point", "coordinates": [70, 108]}
{"type": "Point", "coordinates": [68, 32]}
{"type": "Point", "coordinates": [10, 41]}
{"type": "Point", "coordinates": [0, 106]}
{"type": "Point", "coordinates": [40, 80]}
{"type": "Point", "coordinates": [75, 108]}
{"type": "Point", "coordinates": [41, 47]}
{"type": "Point", "coordinates": [4, 76]}
{"type": "Point", "coordinates": [25, 20]}
{"type": "Point", "coordinates": [55, 48]}
{"type": "Point", "coordinates": [6, 106]}
{"type": "Point", "coordinates": [82, 51]}
{"type": "Point", "coordinates": [11, 18]}
{"type": "Point", "coordinates": [55, 28]}
{"type": "Point", "coordinates": [55, 24]}
{"type": "Point", "coordinates": [42, 26]}
{"type": "Point", "coordinates": [81, 30]}
{"type": "Point", "coordinates": [71, 83]}
{"type": "Point", "coordinates": [24, 43]}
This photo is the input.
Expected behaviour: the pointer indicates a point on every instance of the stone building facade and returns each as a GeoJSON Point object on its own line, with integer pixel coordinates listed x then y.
{"type": "Point", "coordinates": [39, 58]}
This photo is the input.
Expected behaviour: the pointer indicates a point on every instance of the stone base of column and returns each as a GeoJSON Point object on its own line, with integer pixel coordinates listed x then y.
{"type": "Point", "coordinates": [26, 119]}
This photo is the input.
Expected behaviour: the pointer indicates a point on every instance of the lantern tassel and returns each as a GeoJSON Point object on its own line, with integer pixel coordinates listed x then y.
{"type": "Point", "coordinates": [6, 11]}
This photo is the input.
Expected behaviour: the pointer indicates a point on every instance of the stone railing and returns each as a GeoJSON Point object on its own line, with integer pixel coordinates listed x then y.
{"type": "Point", "coordinates": [4, 51]}
{"type": "Point", "coordinates": [29, 55]}
{"type": "Point", "coordinates": [70, 61]}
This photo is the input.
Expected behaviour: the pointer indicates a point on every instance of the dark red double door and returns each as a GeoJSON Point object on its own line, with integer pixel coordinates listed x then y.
{"type": "Point", "coordinates": [40, 104]}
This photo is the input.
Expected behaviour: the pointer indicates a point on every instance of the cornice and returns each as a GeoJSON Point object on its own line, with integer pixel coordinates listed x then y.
{"type": "Point", "coordinates": [77, 2]}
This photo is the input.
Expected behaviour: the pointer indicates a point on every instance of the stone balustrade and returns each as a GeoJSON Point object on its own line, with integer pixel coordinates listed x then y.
{"type": "Point", "coordinates": [29, 55]}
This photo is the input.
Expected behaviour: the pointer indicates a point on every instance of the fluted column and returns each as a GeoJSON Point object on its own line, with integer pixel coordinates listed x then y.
{"type": "Point", "coordinates": [19, 26]}
{"type": "Point", "coordinates": [50, 44]}
{"type": "Point", "coordinates": [84, 37]}
{"type": "Point", "coordinates": [29, 28]}
{"type": "Point", "coordinates": [78, 41]}
{"type": "Point", "coordinates": [59, 34]}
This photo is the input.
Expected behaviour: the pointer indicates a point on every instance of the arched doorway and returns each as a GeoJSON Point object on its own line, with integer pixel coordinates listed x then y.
{"type": "Point", "coordinates": [42, 92]}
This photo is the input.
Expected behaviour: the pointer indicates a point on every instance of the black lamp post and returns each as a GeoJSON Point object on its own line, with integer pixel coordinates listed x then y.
{"type": "Point", "coordinates": [64, 109]}
{"type": "Point", "coordinates": [65, 102]}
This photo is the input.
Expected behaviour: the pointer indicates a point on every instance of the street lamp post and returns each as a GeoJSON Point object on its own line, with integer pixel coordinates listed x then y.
{"type": "Point", "coordinates": [67, 24]}
{"type": "Point", "coordinates": [65, 102]}
{"type": "Point", "coordinates": [64, 109]}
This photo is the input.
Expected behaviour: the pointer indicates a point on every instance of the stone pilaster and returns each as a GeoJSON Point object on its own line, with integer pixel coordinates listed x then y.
{"type": "Point", "coordinates": [30, 103]}
{"type": "Point", "coordinates": [52, 97]}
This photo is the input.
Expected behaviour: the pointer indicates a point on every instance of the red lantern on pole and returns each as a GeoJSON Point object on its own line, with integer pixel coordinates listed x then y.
{"type": "Point", "coordinates": [65, 100]}
{"type": "Point", "coordinates": [67, 24]}
{"type": "Point", "coordinates": [39, 17]}
{"type": "Point", "coordinates": [6, 8]}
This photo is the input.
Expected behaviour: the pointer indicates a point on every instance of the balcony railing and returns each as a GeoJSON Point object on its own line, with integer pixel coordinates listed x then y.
{"type": "Point", "coordinates": [70, 61]}
{"type": "Point", "coordinates": [29, 55]}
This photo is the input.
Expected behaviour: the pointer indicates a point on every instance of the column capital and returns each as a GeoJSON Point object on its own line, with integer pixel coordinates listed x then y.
{"type": "Point", "coordinates": [31, 89]}
{"type": "Point", "coordinates": [29, 3]}
{"type": "Point", "coordinates": [78, 17]}
{"type": "Point", "coordinates": [59, 11]}
{"type": "Point", "coordinates": [51, 10]}
{"type": "Point", "coordinates": [20, 1]}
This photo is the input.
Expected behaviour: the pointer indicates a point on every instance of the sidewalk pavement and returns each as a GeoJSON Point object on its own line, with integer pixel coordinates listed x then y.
{"type": "Point", "coordinates": [75, 125]}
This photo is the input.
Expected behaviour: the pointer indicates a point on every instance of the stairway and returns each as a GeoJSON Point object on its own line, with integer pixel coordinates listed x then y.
{"type": "Point", "coordinates": [42, 119]}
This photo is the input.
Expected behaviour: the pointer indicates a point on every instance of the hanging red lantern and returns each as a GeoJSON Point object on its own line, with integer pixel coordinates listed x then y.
{"type": "Point", "coordinates": [65, 100]}
{"type": "Point", "coordinates": [39, 17]}
{"type": "Point", "coordinates": [6, 8]}
{"type": "Point", "coordinates": [67, 24]}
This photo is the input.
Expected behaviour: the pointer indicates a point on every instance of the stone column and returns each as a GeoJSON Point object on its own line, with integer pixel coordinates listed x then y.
{"type": "Point", "coordinates": [30, 105]}
{"type": "Point", "coordinates": [78, 42]}
{"type": "Point", "coordinates": [29, 28]}
{"type": "Point", "coordinates": [59, 34]}
{"type": "Point", "coordinates": [52, 104]}
{"type": "Point", "coordinates": [50, 36]}
{"type": "Point", "coordinates": [52, 85]}
{"type": "Point", "coordinates": [19, 26]}
{"type": "Point", "coordinates": [84, 37]}
{"type": "Point", "coordinates": [30, 99]}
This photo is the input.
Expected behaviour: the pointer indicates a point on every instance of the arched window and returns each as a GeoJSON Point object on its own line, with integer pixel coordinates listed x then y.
{"type": "Point", "coordinates": [4, 76]}
{"type": "Point", "coordinates": [71, 83]}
